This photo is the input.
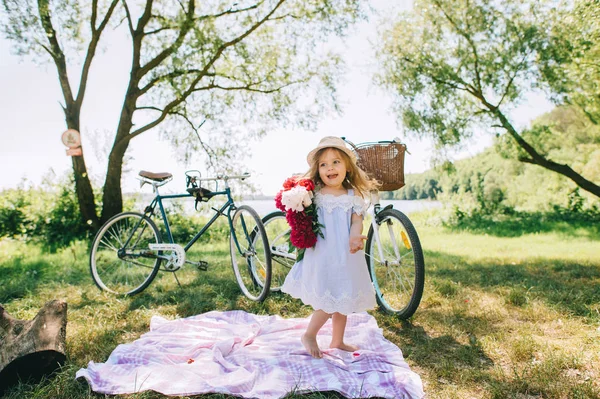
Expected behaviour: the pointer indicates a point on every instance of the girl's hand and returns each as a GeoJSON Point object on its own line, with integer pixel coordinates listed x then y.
{"type": "Point", "coordinates": [356, 243]}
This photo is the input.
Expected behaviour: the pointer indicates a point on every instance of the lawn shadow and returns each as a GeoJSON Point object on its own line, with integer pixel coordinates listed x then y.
{"type": "Point", "coordinates": [443, 355]}
{"type": "Point", "coordinates": [563, 284]}
{"type": "Point", "coordinates": [204, 292]}
{"type": "Point", "coordinates": [22, 276]}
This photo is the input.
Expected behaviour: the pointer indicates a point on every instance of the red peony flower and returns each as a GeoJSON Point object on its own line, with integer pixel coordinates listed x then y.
{"type": "Point", "coordinates": [289, 183]}
{"type": "Point", "coordinates": [278, 203]}
{"type": "Point", "coordinates": [303, 224]}
{"type": "Point", "coordinates": [307, 183]}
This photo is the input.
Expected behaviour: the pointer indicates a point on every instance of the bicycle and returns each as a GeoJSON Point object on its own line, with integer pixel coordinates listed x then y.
{"type": "Point", "coordinates": [128, 250]}
{"type": "Point", "coordinates": [393, 250]}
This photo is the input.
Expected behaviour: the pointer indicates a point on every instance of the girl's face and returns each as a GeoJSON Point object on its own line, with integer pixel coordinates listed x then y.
{"type": "Point", "coordinates": [332, 169]}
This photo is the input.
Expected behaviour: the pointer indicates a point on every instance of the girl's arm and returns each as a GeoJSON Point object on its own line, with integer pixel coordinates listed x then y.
{"type": "Point", "coordinates": [356, 237]}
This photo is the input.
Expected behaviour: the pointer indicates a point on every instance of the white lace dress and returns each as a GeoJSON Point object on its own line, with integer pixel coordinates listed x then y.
{"type": "Point", "coordinates": [329, 277]}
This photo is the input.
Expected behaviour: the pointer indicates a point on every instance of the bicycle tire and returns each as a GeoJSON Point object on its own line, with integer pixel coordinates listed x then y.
{"type": "Point", "coordinates": [120, 274]}
{"type": "Point", "coordinates": [399, 277]}
{"type": "Point", "coordinates": [283, 254]}
{"type": "Point", "coordinates": [252, 266]}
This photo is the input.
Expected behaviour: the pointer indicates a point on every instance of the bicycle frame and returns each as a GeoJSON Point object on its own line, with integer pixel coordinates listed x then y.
{"type": "Point", "coordinates": [158, 200]}
{"type": "Point", "coordinates": [229, 206]}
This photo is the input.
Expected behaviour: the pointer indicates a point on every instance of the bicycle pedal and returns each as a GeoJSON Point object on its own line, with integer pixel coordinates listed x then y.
{"type": "Point", "coordinates": [202, 265]}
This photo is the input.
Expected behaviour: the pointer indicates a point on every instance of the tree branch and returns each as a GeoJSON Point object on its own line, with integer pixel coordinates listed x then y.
{"type": "Point", "coordinates": [247, 87]}
{"type": "Point", "coordinates": [170, 75]}
{"type": "Point", "coordinates": [230, 11]}
{"type": "Point", "coordinates": [537, 159]}
{"type": "Point", "coordinates": [128, 16]}
{"type": "Point", "coordinates": [55, 51]}
{"type": "Point", "coordinates": [96, 33]}
{"type": "Point", "coordinates": [468, 39]}
{"type": "Point", "coordinates": [150, 108]}
{"type": "Point", "coordinates": [202, 73]}
{"type": "Point", "coordinates": [429, 73]}
{"type": "Point", "coordinates": [212, 154]}
{"type": "Point", "coordinates": [185, 28]}
{"type": "Point", "coordinates": [155, 31]}
{"type": "Point", "coordinates": [93, 16]}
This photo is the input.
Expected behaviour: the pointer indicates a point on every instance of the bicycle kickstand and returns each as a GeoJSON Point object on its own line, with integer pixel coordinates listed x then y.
{"type": "Point", "coordinates": [176, 279]}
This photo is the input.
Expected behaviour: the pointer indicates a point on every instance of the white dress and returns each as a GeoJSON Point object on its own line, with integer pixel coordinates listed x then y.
{"type": "Point", "coordinates": [329, 277]}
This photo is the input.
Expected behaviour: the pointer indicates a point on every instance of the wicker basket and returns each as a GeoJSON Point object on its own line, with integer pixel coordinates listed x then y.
{"type": "Point", "coordinates": [383, 162]}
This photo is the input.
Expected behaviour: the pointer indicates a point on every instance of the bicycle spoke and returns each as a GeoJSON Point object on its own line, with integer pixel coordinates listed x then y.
{"type": "Point", "coordinates": [250, 254]}
{"type": "Point", "coordinates": [396, 265]}
{"type": "Point", "coordinates": [133, 270]}
{"type": "Point", "coordinates": [115, 236]}
{"type": "Point", "coordinates": [108, 245]}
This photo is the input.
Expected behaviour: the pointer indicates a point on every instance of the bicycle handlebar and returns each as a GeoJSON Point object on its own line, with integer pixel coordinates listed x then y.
{"type": "Point", "coordinates": [225, 177]}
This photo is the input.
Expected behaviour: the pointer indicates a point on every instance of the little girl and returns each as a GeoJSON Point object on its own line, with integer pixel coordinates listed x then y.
{"type": "Point", "coordinates": [333, 277]}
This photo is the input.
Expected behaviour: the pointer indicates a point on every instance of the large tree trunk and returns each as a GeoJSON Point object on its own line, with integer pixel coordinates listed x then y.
{"type": "Point", "coordinates": [112, 197]}
{"type": "Point", "coordinates": [30, 349]}
{"type": "Point", "coordinates": [85, 194]}
{"type": "Point", "coordinates": [83, 186]}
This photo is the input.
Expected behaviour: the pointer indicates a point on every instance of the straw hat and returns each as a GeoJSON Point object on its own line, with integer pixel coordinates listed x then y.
{"type": "Point", "coordinates": [331, 142]}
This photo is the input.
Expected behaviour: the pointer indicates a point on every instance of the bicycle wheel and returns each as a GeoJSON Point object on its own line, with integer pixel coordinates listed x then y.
{"type": "Point", "coordinates": [250, 255]}
{"type": "Point", "coordinates": [396, 263]}
{"type": "Point", "coordinates": [283, 254]}
{"type": "Point", "coordinates": [120, 260]}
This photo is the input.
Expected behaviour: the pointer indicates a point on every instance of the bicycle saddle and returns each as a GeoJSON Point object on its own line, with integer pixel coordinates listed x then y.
{"type": "Point", "coordinates": [155, 176]}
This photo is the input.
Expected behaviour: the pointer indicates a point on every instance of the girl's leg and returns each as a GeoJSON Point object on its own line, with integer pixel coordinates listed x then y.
{"type": "Point", "coordinates": [338, 322]}
{"type": "Point", "coordinates": [309, 339]}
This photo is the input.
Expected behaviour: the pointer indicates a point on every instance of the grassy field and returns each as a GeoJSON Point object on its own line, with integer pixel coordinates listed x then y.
{"type": "Point", "coordinates": [503, 315]}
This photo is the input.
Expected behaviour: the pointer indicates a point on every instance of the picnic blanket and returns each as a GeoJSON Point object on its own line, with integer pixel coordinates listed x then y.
{"type": "Point", "coordinates": [253, 356]}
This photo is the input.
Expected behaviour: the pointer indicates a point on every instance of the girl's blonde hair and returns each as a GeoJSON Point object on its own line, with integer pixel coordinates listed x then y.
{"type": "Point", "coordinates": [356, 178]}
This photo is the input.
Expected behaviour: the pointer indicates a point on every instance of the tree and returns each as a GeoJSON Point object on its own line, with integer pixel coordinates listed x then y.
{"type": "Point", "coordinates": [191, 62]}
{"type": "Point", "coordinates": [579, 82]}
{"type": "Point", "coordinates": [456, 66]}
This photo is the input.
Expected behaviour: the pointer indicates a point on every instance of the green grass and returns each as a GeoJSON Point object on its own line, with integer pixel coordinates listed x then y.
{"type": "Point", "coordinates": [503, 315]}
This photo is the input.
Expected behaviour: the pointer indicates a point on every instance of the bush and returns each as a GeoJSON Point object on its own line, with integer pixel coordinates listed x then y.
{"type": "Point", "coordinates": [62, 224]}
{"type": "Point", "coordinates": [185, 226]}
{"type": "Point", "coordinates": [508, 222]}
{"type": "Point", "coordinates": [13, 222]}
{"type": "Point", "coordinates": [49, 216]}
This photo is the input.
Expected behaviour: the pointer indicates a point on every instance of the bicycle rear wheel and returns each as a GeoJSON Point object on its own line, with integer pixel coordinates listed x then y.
{"type": "Point", "coordinates": [250, 255]}
{"type": "Point", "coordinates": [283, 254]}
{"type": "Point", "coordinates": [396, 263]}
{"type": "Point", "coordinates": [120, 260]}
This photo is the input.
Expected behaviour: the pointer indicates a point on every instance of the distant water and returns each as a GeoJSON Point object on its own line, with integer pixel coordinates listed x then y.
{"type": "Point", "coordinates": [266, 206]}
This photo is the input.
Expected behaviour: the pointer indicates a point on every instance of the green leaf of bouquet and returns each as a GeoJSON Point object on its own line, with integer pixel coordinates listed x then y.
{"type": "Point", "coordinates": [300, 254]}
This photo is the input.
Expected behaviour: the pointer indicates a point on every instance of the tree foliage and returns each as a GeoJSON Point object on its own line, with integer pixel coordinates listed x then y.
{"type": "Point", "coordinates": [495, 182]}
{"type": "Point", "coordinates": [579, 82]}
{"type": "Point", "coordinates": [231, 64]}
{"type": "Point", "coordinates": [457, 67]}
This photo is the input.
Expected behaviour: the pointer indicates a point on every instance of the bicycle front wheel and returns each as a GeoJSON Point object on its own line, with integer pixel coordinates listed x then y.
{"type": "Point", "coordinates": [396, 264]}
{"type": "Point", "coordinates": [120, 260]}
{"type": "Point", "coordinates": [250, 255]}
{"type": "Point", "coordinates": [283, 254]}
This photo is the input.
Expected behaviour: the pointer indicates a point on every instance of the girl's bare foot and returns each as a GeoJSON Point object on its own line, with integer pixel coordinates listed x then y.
{"type": "Point", "coordinates": [311, 346]}
{"type": "Point", "coordinates": [344, 347]}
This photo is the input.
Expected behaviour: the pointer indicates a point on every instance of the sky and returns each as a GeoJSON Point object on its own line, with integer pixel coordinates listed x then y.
{"type": "Point", "coordinates": [33, 121]}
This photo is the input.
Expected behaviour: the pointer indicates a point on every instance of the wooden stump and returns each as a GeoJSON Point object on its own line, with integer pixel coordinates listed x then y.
{"type": "Point", "coordinates": [31, 349]}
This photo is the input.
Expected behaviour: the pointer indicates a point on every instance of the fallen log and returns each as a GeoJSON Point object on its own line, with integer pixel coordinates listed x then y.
{"type": "Point", "coordinates": [31, 349]}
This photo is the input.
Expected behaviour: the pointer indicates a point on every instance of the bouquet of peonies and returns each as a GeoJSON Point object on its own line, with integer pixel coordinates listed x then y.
{"type": "Point", "coordinates": [296, 201]}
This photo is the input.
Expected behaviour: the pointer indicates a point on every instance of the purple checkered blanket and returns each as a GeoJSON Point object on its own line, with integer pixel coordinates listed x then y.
{"type": "Point", "coordinates": [253, 356]}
